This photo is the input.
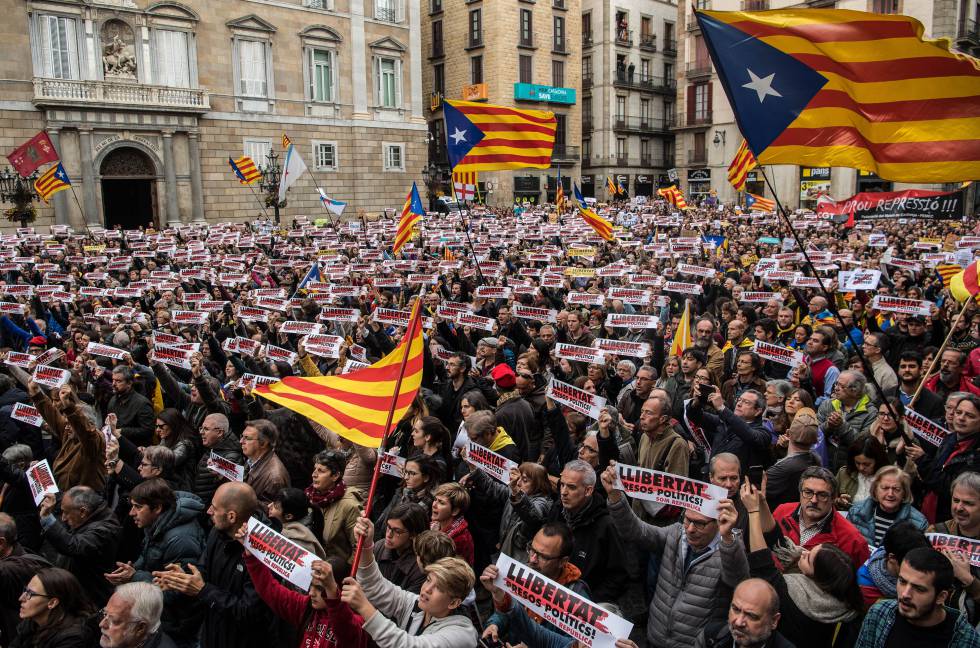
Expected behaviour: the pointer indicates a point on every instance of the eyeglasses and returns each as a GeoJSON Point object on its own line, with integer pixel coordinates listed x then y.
{"type": "Point", "coordinates": [700, 525]}
{"type": "Point", "coordinates": [588, 449]}
{"type": "Point", "coordinates": [820, 496]}
{"type": "Point", "coordinates": [395, 531]}
{"type": "Point", "coordinates": [526, 376]}
{"type": "Point", "coordinates": [886, 414]}
{"type": "Point", "coordinates": [28, 594]}
{"type": "Point", "coordinates": [533, 553]}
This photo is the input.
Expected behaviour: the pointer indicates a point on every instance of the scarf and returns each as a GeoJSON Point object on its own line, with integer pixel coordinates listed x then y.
{"type": "Point", "coordinates": [884, 581]}
{"type": "Point", "coordinates": [506, 396]}
{"type": "Point", "coordinates": [816, 603]}
{"type": "Point", "coordinates": [455, 526]}
{"type": "Point", "coordinates": [324, 500]}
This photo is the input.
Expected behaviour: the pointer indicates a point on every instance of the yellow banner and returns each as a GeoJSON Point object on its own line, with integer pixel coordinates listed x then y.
{"type": "Point", "coordinates": [579, 272]}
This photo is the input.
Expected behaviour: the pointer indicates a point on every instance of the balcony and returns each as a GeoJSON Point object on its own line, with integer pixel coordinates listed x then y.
{"type": "Point", "coordinates": [621, 161]}
{"type": "Point", "coordinates": [648, 42]}
{"type": "Point", "coordinates": [644, 82]}
{"type": "Point", "coordinates": [587, 126]}
{"type": "Point", "coordinates": [438, 51]}
{"type": "Point", "coordinates": [586, 81]}
{"type": "Point", "coordinates": [587, 39]}
{"type": "Point", "coordinates": [119, 96]}
{"type": "Point", "coordinates": [641, 124]}
{"type": "Point", "coordinates": [624, 37]}
{"type": "Point", "coordinates": [387, 14]}
{"type": "Point", "coordinates": [693, 121]}
{"type": "Point", "coordinates": [968, 33]}
{"type": "Point", "coordinates": [559, 46]}
{"type": "Point", "coordinates": [692, 23]}
{"type": "Point", "coordinates": [698, 69]}
{"type": "Point", "coordinates": [558, 4]}
{"type": "Point", "coordinates": [697, 156]}
{"type": "Point", "coordinates": [670, 48]}
{"type": "Point", "coordinates": [564, 154]}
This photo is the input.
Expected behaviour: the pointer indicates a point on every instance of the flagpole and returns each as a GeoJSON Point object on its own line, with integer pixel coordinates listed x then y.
{"type": "Point", "coordinates": [259, 200]}
{"type": "Point", "coordinates": [409, 336]}
{"type": "Point", "coordinates": [322, 193]}
{"type": "Point", "coordinates": [829, 296]}
{"type": "Point", "coordinates": [939, 353]}
{"type": "Point", "coordinates": [82, 211]}
{"type": "Point", "coordinates": [466, 230]}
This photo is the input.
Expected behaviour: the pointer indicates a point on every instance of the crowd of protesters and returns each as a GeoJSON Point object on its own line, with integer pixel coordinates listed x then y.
{"type": "Point", "coordinates": [824, 539]}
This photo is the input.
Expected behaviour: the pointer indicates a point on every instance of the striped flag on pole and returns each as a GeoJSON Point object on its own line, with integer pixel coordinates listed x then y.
{"type": "Point", "coordinates": [52, 181]}
{"type": "Point", "coordinates": [742, 163]}
{"type": "Point", "coordinates": [758, 203]}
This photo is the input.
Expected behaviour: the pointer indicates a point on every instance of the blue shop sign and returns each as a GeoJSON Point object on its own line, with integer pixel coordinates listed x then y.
{"type": "Point", "coordinates": [535, 92]}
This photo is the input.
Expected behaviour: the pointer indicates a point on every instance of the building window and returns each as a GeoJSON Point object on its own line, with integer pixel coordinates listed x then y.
{"type": "Point", "coordinates": [622, 149]}
{"type": "Point", "coordinates": [644, 69]}
{"type": "Point", "coordinates": [647, 38]}
{"type": "Point", "coordinates": [587, 29]}
{"type": "Point", "coordinates": [436, 5]}
{"type": "Point", "coordinates": [58, 47]}
{"type": "Point", "coordinates": [476, 69]}
{"type": "Point", "coordinates": [387, 10]}
{"type": "Point", "coordinates": [700, 148]}
{"type": "Point", "coordinates": [558, 74]}
{"type": "Point", "coordinates": [171, 58]}
{"type": "Point", "coordinates": [439, 78]}
{"type": "Point", "coordinates": [254, 81]}
{"type": "Point", "coordinates": [394, 157]}
{"type": "Point", "coordinates": [668, 152]}
{"type": "Point", "coordinates": [587, 67]}
{"type": "Point", "coordinates": [317, 4]}
{"type": "Point", "coordinates": [561, 133]}
{"type": "Point", "coordinates": [669, 42]}
{"type": "Point", "coordinates": [645, 152]}
{"type": "Point", "coordinates": [325, 155]}
{"type": "Point", "coordinates": [644, 111]}
{"type": "Point", "coordinates": [586, 149]}
{"type": "Point", "coordinates": [437, 49]}
{"type": "Point", "coordinates": [322, 69]}
{"type": "Point", "coordinates": [388, 82]}
{"type": "Point", "coordinates": [587, 109]}
{"type": "Point", "coordinates": [476, 28]}
{"type": "Point", "coordinates": [885, 6]}
{"type": "Point", "coordinates": [258, 150]}
{"type": "Point", "coordinates": [668, 73]}
{"type": "Point", "coordinates": [702, 102]}
{"type": "Point", "coordinates": [527, 29]}
{"type": "Point", "coordinates": [525, 65]}
{"type": "Point", "coordinates": [559, 34]}
{"type": "Point", "coordinates": [669, 117]}
{"type": "Point", "coordinates": [755, 5]}
{"type": "Point", "coordinates": [620, 108]}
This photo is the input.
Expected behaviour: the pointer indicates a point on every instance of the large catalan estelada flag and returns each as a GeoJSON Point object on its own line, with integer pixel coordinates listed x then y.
{"type": "Point", "coordinates": [834, 87]}
{"type": "Point", "coordinates": [485, 137]}
{"type": "Point", "coordinates": [245, 169]}
{"type": "Point", "coordinates": [758, 203]}
{"type": "Point", "coordinates": [356, 405]}
{"type": "Point", "coordinates": [682, 336]}
{"type": "Point", "coordinates": [52, 181]}
{"type": "Point", "coordinates": [600, 225]}
{"type": "Point", "coordinates": [412, 213]}
{"type": "Point", "coordinates": [742, 163]}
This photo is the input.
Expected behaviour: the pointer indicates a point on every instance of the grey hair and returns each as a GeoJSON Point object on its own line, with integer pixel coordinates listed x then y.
{"type": "Point", "coordinates": [147, 603]}
{"type": "Point", "coordinates": [629, 366]}
{"type": "Point", "coordinates": [969, 480]}
{"type": "Point", "coordinates": [8, 529]}
{"type": "Point", "coordinates": [85, 497]}
{"type": "Point", "coordinates": [220, 420]}
{"type": "Point", "coordinates": [726, 457]}
{"type": "Point", "coordinates": [160, 457]}
{"type": "Point", "coordinates": [860, 381]}
{"type": "Point", "coordinates": [19, 455]}
{"type": "Point", "coordinates": [583, 467]}
{"type": "Point", "coordinates": [782, 387]}
{"type": "Point", "coordinates": [818, 472]}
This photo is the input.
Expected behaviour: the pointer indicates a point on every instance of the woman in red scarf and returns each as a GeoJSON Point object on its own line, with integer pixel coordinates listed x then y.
{"type": "Point", "coordinates": [336, 507]}
{"type": "Point", "coordinates": [450, 503]}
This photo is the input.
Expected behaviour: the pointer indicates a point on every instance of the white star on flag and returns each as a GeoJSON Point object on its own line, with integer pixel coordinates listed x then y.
{"type": "Point", "coordinates": [762, 86]}
{"type": "Point", "coordinates": [458, 136]}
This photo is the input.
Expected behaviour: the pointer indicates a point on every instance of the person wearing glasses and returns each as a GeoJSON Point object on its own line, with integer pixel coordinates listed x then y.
{"type": "Point", "coordinates": [846, 416]}
{"type": "Point", "coordinates": [131, 618]}
{"type": "Point", "coordinates": [874, 347]}
{"type": "Point", "coordinates": [813, 520]}
{"type": "Point", "coordinates": [396, 555]}
{"type": "Point", "coordinates": [53, 610]}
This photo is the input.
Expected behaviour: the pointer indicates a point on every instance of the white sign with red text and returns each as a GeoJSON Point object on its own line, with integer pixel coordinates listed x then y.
{"type": "Point", "coordinates": [574, 398]}
{"type": "Point", "coordinates": [41, 481]}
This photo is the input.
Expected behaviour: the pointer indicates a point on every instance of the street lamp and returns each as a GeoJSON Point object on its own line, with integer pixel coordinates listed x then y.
{"type": "Point", "coordinates": [271, 174]}
{"type": "Point", "coordinates": [20, 191]}
{"type": "Point", "coordinates": [430, 173]}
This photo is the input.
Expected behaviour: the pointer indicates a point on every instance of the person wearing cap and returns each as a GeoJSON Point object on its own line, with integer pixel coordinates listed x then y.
{"type": "Point", "coordinates": [513, 414]}
{"type": "Point", "coordinates": [486, 356]}
{"type": "Point", "coordinates": [783, 477]}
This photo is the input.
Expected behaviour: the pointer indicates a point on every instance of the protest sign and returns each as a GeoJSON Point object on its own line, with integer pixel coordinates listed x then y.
{"type": "Point", "coordinates": [494, 292]}
{"type": "Point", "coordinates": [489, 462]}
{"type": "Point", "coordinates": [577, 399]}
{"type": "Point", "coordinates": [576, 353]}
{"type": "Point", "coordinates": [860, 279]}
{"type": "Point", "coordinates": [914, 203]}
{"type": "Point", "coordinates": [776, 353]}
{"type": "Point", "coordinates": [18, 359]}
{"type": "Point", "coordinates": [173, 357]}
{"type": "Point", "coordinates": [225, 467]}
{"type": "Point", "coordinates": [249, 314]}
{"type": "Point", "coordinates": [26, 414]}
{"type": "Point", "coordinates": [51, 355]}
{"type": "Point", "coordinates": [296, 327]}
{"type": "Point", "coordinates": [475, 321]}
{"type": "Point", "coordinates": [41, 480]}
{"type": "Point", "coordinates": [273, 352]}
{"type": "Point", "coordinates": [392, 317]}
{"type": "Point", "coordinates": [759, 297]}
{"type": "Point", "coordinates": [12, 307]}
{"type": "Point", "coordinates": [281, 555]}
{"type": "Point", "coordinates": [968, 547]}
{"type": "Point", "coordinates": [632, 296]}
{"type": "Point", "coordinates": [392, 465]}
{"type": "Point", "coordinates": [683, 288]}
{"type": "Point", "coordinates": [623, 347]}
{"type": "Point", "coordinates": [584, 299]}
{"type": "Point", "coordinates": [626, 320]}
{"type": "Point", "coordinates": [925, 428]}
{"type": "Point", "coordinates": [674, 490]}
{"type": "Point", "coordinates": [697, 271]}
{"type": "Point", "coordinates": [901, 305]}
{"type": "Point", "coordinates": [571, 613]}
{"type": "Point", "coordinates": [106, 351]}
{"type": "Point", "coordinates": [533, 313]}
{"type": "Point", "coordinates": [345, 315]}
{"type": "Point", "coordinates": [50, 376]}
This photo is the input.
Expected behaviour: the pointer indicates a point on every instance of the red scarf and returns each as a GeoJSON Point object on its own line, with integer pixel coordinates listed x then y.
{"type": "Point", "coordinates": [323, 500]}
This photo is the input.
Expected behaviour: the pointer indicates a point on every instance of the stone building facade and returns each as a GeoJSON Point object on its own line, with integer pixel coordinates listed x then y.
{"type": "Point", "coordinates": [520, 53]}
{"type": "Point", "coordinates": [146, 101]}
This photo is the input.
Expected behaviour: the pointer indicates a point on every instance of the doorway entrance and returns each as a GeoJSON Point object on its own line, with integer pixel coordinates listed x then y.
{"type": "Point", "coordinates": [129, 198]}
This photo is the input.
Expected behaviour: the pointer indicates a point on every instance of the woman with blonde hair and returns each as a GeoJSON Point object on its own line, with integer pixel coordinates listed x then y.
{"type": "Point", "coordinates": [890, 502]}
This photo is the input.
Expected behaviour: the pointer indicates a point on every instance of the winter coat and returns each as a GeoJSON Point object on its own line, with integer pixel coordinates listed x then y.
{"type": "Point", "coordinates": [18, 503]}
{"type": "Point", "coordinates": [939, 471]}
{"type": "Point", "coordinates": [856, 423]}
{"type": "Point", "coordinates": [718, 635]}
{"type": "Point", "coordinates": [686, 598]}
{"type": "Point", "coordinates": [783, 484]}
{"type": "Point", "coordinates": [16, 570]}
{"type": "Point", "coordinates": [12, 431]}
{"type": "Point", "coordinates": [862, 516]}
{"type": "Point", "coordinates": [81, 459]}
{"type": "Point", "coordinates": [135, 414]}
{"type": "Point", "coordinates": [835, 530]}
{"type": "Point", "coordinates": [267, 477]}
{"type": "Point", "coordinates": [185, 463]}
{"type": "Point", "coordinates": [175, 537]}
{"type": "Point", "coordinates": [89, 551]}
{"type": "Point", "coordinates": [338, 525]}
{"type": "Point", "coordinates": [727, 432]}
{"type": "Point", "coordinates": [70, 633]}
{"type": "Point", "coordinates": [206, 482]}
{"type": "Point", "coordinates": [301, 535]}
{"type": "Point", "coordinates": [399, 624]}
{"type": "Point", "coordinates": [513, 532]}
{"type": "Point", "coordinates": [516, 416]}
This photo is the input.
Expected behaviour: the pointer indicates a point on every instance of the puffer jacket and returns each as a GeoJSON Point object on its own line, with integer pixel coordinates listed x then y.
{"type": "Point", "coordinates": [862, 516]}
{"type": "Point", "coordinates": [686, 600]}
{"type": "Point", "coordinates": [401, 622]}
{"type": "Point", "coordinates": [857, 422]}
{"type": "Point", "coordinates": [205, 481]}
{"type": "Point", "coordinates": [175, 537]}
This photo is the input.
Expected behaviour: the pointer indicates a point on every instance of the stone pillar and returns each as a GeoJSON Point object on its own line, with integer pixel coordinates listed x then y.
{"type": "Point", "coordinates": [358, 58]}
{"type": "Point", "coordinates": [60, 198]}
{"type": "Point", "coordinates": [88, 177]}
{"type": "Point", "coordinates": [197, 192]}
{"type": "Point", "coordinates": [170, 179]}
{"type": "Point", "coordinates": [415, 49]}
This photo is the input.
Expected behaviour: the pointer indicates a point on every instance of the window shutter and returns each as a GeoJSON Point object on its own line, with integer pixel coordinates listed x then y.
{"type": "Point", "coordinates": [71, 53]}
{"type": "Point", "coordinates": [708, 102]}
{"type": "Point", "coordinates": [47, 49]}
{"type": "Point", "coordinates": [180, 59]}
{"type": "Point", "coordinates": [398, 83]}
{"type": "Point", "coordinates": [690, 103]}
{"type": "Point", "coordinates": [311, 72]}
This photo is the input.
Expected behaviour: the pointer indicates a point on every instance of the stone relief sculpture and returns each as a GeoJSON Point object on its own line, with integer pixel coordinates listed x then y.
{"type": "Point", "coordinates": [118, 50]}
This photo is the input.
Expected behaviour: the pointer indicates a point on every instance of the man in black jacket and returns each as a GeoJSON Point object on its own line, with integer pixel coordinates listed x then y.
{"type": "Point", "coordinates": [458, 382]}
{"type": "Point", "coordinates": [86, 538]}
{"type": "Point", "coordinates": [927, 403]}
{"type": "Point", "coordinates": [234, 615]}
{"type": "Point", "coordinates": [740, 432]}
{"type": "Point", "coordinates": [217, 438]}
{"type": "Point", "coordinates": [134, 412]}
{"type": "Point", "coordinates": [752, 619]}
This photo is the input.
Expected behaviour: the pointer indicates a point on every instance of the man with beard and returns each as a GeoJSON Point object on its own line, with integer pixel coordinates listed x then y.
{"type": "Point", "coordinates": [458, 382]}
{"type": "Point", "coordinates": [919, 618]}
{"type": "Point", "coordinates": [786, 324]}
{"type": "Point", "coordinates": [632, 400]}
{"type": "Point", "coordinates": [909, 375]}
{"type": "Point", "coordinates": [752, 619]}
{"type": "Point", "coordinates": [950, 377]}
{"type": "Point", "coordinates": [737, 342]}
{"type": "Point", "coordinates": [704, 340]}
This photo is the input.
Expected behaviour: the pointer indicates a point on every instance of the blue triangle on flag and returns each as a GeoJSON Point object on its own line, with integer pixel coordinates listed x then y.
{"type": "Point", "coordinates": [461, 134]}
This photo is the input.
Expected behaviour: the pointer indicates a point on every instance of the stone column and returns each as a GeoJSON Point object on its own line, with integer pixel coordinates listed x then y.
{"type": "Point", "coordinates": [60, 198]}
{"type": "Point", "coordinates": [197, 192]}
{"type": "Point", "coordinates": [88, 177]}
{"type": "Point", "coordinates": [415, 47]}
{"type": "Point", "coordinates": [170, 179]}
{"type": "Point", "coordinates": [358, 58]}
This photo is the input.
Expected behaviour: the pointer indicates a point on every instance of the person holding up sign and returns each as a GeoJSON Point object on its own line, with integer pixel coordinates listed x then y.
{"type": "Point", "coordinates": [702, 561]}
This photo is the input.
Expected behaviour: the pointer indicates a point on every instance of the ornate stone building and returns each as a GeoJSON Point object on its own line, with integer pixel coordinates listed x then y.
{"type": "Point", "coordinates": [146, 101]}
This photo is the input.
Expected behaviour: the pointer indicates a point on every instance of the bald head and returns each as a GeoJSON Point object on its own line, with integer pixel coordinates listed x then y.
{"type": "Point", "coordinates": [233, 504]}
{"type": "Point", "coordinates": [754, 612]}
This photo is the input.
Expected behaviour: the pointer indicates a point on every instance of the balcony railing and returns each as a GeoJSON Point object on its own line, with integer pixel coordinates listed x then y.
{"type": "Point", "coordinates": [648, 42]}
{"type": "Point", "coordinates": [969, 31]}
{"type": "Point", "coordinates": [622, 161]}
{"type": "Point", "coordinates": [586, 81]}
{"type": "Point", "coordinates": [560, 46]}
{"type": "Point", "coordinates": [587, 39]}
{"type": "Point", "coordinates": [697, 156]}
{"type": "Point", "coordinates": [687, 121]}
{"type": "Point", "coordinates": [624, 37]}
{"type": "Point", "coordinates": [121, 96]}
{"type": "Point", "coordinates": [698, 68]}
{"type": "Point", "coordinates": [670, 48]}
{"type": "Point", "coordinates": [564, 153]}
{"type": "Point", "coordinates": [642, 124]}
{"type": "Point", "coordinates": [387, 14]}
{"type": "Point", "coordinates": [644, 82]}
{"type": "Point", "coordinates": [587, 125]}
{"type": "Point", "coordinates": [438, 51]}
{"type": "Point", "coordinates": [692, 23]}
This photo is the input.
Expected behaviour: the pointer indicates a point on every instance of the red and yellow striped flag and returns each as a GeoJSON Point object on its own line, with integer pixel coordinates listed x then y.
{"type": "Point", "coordinates": [742, 163]}
{"type": "Point", "coordinates": [245, 169]}
{"type": "Point", "coordinates": [966, 284]}
{"type": "Point", "coordinates": [52, 181]}
{"type": "Point", "coordinates": [674, 196]}
{"type": "Point", "coordinates": [356, 405]}
{"type": "Point", "coordinates": [682, 336]}
{"type": "Point", "coordinates": [286, 141]}
{"type": "Point", "coordinates": [485, 137]}
{"type": "Point", "coordinates": [412, 213]}
{"type": "Point", "coordinates": [947, 271]}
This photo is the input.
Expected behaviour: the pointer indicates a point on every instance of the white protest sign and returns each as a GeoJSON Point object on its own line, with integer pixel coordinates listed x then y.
{"type": "Point", "coordinates": [674, 490]}
{"type": "Point", "coordinates": [22, 360]}
{"type": "Point", "coordinates": [776, 353]}
{"type": "Point", "coordinates": [626, 320]}
{"type": "Point", "coordinates": [901, 305]}
{"type": "Point", "coordinates": [632, 296]}
{"type": "Point", "coordinates": [296, 327]}
{"type": "Point", "coordinates": [576, 353]}
{"type": "Point", "coordinates": [968, 547]}
{"type": "Point", "coordinates": [571, 613]}
{"type": "Point", "coordinates": [281, 555]}
{"type": "Point", "coordinates": [696, 271]}
{"type": "Point", "coordinates": [489, 462]}
{"type": "Point", "coordinates": [50, 376]}
{"type": "Point", "coordinates": [577, 399]}
{"type": "Point", "coordinates": [26, 414]}
{"type": "Point", "coordinates": [683, 288]}
{"type": "Point", "coordinates": [860, 279]}
{"type": "Point", "coordinates": [391, 465]}
{"type": "Point", "coordinates": [533, 313]}
{"type": "Point", "coordinates": [41, 480]}
{"type": "Point", "coordinates": [925, 428]}
{"type": "Point", "coordinates": [225, 468]}
{"type": "Point", "coordinates": [106, 351]}
{"type": "Point", "coordinates": [623, 347]}
{"type": "Point", "coordinates": [173, 357]}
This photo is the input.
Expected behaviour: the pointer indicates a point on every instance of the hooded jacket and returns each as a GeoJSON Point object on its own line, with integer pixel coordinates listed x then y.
{"type": "Point", "coordinates": [175, 537]}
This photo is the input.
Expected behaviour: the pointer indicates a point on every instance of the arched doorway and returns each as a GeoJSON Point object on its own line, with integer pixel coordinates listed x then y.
{"type": "Point", "coordinates": [128, 189]}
